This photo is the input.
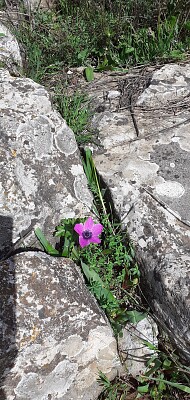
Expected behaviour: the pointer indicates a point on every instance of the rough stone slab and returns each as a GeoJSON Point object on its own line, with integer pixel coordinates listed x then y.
{"type": "Point", "coordinates": [162, 248]}
{"type": "Point", "coordinates": [54, 337]}
{"type": "Point", "coordinates": [133, 350]}
{"type": "Point", "coordinates": [103, 90]}
{"type": "Point", "coordinates": [149, 181]}
{"type": "Point", "coordinates": [168, 84]}
{"type": "Point", "coordinates": [9, 51]}
{"type": "Point", "coordinates": [115, 128]}
{"type": "Point", "coordinates": [42, 178]}
{"type": "Point", "coordinates": [154, 122]}
{"type": "Point", "coordinates": [158, 164]}
{"type": "Point", "coordinates": [163, 106]}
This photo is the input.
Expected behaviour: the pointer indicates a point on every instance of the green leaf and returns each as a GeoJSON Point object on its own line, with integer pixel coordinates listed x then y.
{"type": "Point", "coordinates": [89, 74]}
{"type": "Point", "coordinates": [44, 242]}
{"type": "Point", "coordinates": [135, 316]}
{"type": "Point", "coordinates": [82, 55]}
{"type": "Point", "coordinates": [167, 363]}
{"type": "Point", "coordinates": [173, 384]}
{"type": "Point", "coordinates": [65, 251]}
{"type": "Point", "coordinates": [161, 386]}
{"type": "Point", "coordinates": [177, 54]}
{"type": "Point", "coordinates": [2, 34]}
{"type": "Point", "coordinates": [92, 276]}
{"type": "Point", "coordinates": [150, 345]}
{"type": "Point", "coordinates": [143, 389]}
{"type": "Point", "coordinates": [60, 231]}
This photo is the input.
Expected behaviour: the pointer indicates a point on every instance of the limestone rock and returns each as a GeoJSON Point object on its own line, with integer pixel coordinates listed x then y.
{"type": "Point", "coordinates": [42, 178]}
{"type": "Point", "coordinates": [54, 337]}
{"type": "Point", "coordinates": [134, 352]}
{"type": "Point", "coordinates": [148, 176]}
{"type": "Point", "coordinates": [32, 5]}
{"type": "Point", "coordinates": [10, 57]}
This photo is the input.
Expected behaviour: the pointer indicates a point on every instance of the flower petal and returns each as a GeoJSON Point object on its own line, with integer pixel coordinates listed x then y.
{"type": "Point", "coordinates": [97, 229]}
{"type": "Point", "coordinates": [84, 242]}
{"type": "Point", "coordinates": [94, 239]}
{"type": "Point", "coordinates": [79, 228]}
{"type": "Point", "coordinates": [88, 224]}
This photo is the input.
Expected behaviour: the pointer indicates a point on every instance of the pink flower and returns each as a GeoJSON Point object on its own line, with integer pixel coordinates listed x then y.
{"type": "Point", "coordinates": [88, 232]}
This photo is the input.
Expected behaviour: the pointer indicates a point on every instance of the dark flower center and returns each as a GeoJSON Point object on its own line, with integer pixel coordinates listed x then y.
{"type": "Point", "coordinates": [87, 234]}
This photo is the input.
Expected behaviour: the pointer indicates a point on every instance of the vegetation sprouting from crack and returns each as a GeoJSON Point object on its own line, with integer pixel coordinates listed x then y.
{"type": "Point", "coordinates": [107, 35]}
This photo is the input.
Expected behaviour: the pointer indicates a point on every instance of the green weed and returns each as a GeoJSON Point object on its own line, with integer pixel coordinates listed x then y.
{"type": "Point", "coordinates": [165, 379]}
{"type": "Point", "coordinates": [103, 34]}
{"type": "Point", "coordinates": [110, 268]}
{"type": "Point", "coordinates": [2, 4]}
{"type": "Point", "coordinates": [75, 110]}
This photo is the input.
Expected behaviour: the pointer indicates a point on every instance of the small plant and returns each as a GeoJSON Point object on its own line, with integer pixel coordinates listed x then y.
{"type": "Point", "coordinates": [118, 389]}
{"type": "Point", "coordinates": [107, 263]}
{"type": "Point", "coordinates": [75, 110]}
{"type": "Point", "coordinates": [103, 35]}
{"type": "Point", "coordinates": [160, 382]}
{"type": "Point", "coordinates": [112, 275]}
{"type": "Point", "coordinates": [88, 232]}
{"type": "Point", "coordinates": [163, 374]}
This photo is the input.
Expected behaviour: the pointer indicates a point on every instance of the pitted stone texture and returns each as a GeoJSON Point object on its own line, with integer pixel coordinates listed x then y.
{"type": "Point", "coordinates": [42, 179]}
{"type": "Point", "coordinates": [162, 245]}
{"type": "Point", "coordinates": [149, 181]}
{"type": "Point", "coordinates": [61, 335]}
{"type": "Point", "coordinates": [170, 83]}
{"type": "Point", "coordinates": [133, 349]}
{"type": "Point", "coordinates": [163, 106]}
{"type": "Point", "coordinates": [114, 128]}
{"type": "Point", "coordinates": [103, 91]}
{"type": "Point", "coordinates": [9, 51]}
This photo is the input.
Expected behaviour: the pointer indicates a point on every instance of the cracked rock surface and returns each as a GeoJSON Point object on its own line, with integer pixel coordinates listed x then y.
{"type": "Point", "coordinates": [42, 178]}
{"type": "Point", "coordinates": [54, 336]}
{"type": "Point", "coordinates": [145, 161]}
{"type": "Point", "coordinates": [9, 51]}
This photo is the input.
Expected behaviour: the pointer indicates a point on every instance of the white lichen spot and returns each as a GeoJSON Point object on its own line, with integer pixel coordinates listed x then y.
{"type": "Point", "coordinates": [175, 139]}
{"type": "Point", "coordinates": [76, 170]}
{"type": "Point", "coordinates": [30, 299]}
{"type": "Point", "coordinates": [172, 165]}
{"type": "Point", "coordinates": [51, 182]}
{"type": "Point", "coordinates": [81, 190]}
{"type": "Point", "coordinates": [112, 94]}
{"type": "Point", "coordinates": [142, 243]}
{"type": "Point", "coordinates": [73, 346]}
{"type": "Point", "coordinates": [2, 197]}
{"type": "Point", "coordinates": [26, 178]}
{"type": "Point", "coordinates": [170, 189]}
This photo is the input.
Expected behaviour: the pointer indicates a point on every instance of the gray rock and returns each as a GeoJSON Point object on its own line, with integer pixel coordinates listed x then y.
{"type": "Point", "coordinates": [134, 352]}
{"type": "Point", "coordinates": [10, 57]}
{"type": "Point", "coordinates": [54, 337]}
{"type": "Point", "coordinates": [42, 178]}
{"type": "Point", "coordinates": [148, 177]}
{"type": "Point", "coordinates": [32, 5]}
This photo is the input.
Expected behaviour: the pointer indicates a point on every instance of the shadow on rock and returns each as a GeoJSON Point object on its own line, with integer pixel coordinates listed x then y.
{"type": "Point", "coordinates": [8, 350]}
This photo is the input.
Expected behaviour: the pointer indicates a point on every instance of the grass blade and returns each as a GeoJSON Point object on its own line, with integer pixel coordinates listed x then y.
{"type": "Point", "coordinates": [44, 242]}
{"type": "Point", "coordinates": [179, 386]}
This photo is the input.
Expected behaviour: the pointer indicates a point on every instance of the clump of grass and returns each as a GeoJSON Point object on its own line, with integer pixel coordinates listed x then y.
{"type": "Point", "coordinates": [75, 109]}
{"type": "Point", "coordinates": [165, 379]}
{"type": "Point", "coordinates": [105, 34]}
